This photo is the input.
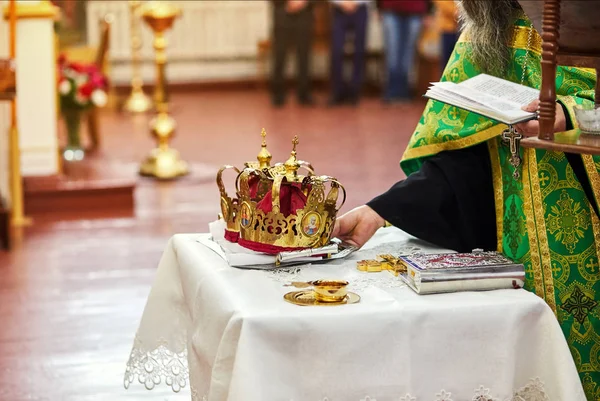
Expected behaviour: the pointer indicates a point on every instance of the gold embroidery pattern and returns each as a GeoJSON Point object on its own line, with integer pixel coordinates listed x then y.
{"type": "Point", "coordinates": [548, 177]}
{"type": "Point", "coordinates": [561, 268]}
{"type": "Point", "coordinates": [498, 191]}
{"type": "Point", "coordinates": [591, 387]}
{"type": "Point", "coordinates": [587, 265]}
{"type": "Point", "coordinates": [567, 221]}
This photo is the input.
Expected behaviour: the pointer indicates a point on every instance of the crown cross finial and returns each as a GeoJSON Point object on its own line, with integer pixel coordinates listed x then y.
{"type": "Point", "coordinates": [264, 136]}
{"type": "Point", "coordinates": [292, 165]}
{"type": "Point", "coordinates": [264, 156]}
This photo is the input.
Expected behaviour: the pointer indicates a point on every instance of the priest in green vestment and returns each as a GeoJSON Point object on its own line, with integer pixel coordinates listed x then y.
{"type": "Point", "coordinates": [461, 192]}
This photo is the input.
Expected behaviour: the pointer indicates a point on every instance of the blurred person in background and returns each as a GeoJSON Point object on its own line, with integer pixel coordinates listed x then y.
{"type": "Point", "coordinates": [446, 20]}
{"type": "Point", "coordinates": [402, 22]}
{"type": "Point", "coordinates": [293, 26]}
{"type": "Point", "coordinates": [348, 16]}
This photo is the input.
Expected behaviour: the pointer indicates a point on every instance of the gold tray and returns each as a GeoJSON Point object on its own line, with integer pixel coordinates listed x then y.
{"type": "Point", "coordinates": [307, 298]}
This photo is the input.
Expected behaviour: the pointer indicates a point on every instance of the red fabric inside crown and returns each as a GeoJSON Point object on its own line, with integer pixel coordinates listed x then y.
{"type": "Point", "coordinates": [253, 185]}
{"type": "Point", "coordinates": [291, 198]}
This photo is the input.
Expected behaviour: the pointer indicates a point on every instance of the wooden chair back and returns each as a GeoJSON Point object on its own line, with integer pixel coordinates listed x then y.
{"type": "Point", "coordinates": [102, 52]}
{"type": "Point", "coordinates": [570, 37]}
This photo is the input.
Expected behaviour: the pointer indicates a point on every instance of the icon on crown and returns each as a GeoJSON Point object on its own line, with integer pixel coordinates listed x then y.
{"type": "Point", "coordinates": [276, 209]}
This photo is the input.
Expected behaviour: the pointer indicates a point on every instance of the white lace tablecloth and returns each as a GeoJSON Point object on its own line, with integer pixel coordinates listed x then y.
{"type": "Point", "coordinates": [228, 334]}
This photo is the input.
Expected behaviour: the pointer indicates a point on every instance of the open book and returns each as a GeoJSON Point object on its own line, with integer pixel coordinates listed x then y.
{"type": "Point", "coordinates": [489, 96]}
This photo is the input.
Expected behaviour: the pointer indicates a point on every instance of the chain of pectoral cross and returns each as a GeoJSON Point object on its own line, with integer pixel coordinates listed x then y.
{"type": "Point", "coordinates": [510, 135]}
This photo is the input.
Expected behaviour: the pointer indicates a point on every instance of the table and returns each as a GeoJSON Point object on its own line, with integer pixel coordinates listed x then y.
{"type": "Point", "coordinates": [228, 333]}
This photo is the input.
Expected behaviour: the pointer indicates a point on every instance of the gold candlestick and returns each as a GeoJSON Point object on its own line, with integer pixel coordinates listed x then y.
{"type": "Point", "coordinates": [163, 162]}
{"type": "Point", "coordinates": [138, 101]}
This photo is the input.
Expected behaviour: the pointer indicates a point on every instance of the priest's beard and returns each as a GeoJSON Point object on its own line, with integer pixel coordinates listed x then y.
{"type": "Point", "coordinates": [489, 26]}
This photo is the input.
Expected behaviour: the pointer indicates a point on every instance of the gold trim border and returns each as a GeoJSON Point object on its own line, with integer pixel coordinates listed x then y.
{"type": "Point", "coordinates": [434, 148]}
{"type": "Point", "coordinates": [519, 39]}
{"type": "Point", "coordinates": [542, 233]}
{"type": "Point", "coordinates": [593, 175]}
{"type": "Point", "coordinates": [498, 192]}
{"type": "Point", "coordinates": [534, 254]}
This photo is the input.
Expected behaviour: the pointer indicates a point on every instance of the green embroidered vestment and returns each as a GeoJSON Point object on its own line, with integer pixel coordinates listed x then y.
{"type": "Point", "coordinates": [544, 218]}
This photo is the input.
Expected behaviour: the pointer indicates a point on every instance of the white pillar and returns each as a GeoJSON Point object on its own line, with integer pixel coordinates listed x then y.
{"type": "Point", "coordinates": [36, 87]}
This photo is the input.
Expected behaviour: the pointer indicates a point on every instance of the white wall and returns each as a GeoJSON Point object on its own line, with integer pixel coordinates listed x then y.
{"type": "Point", "coordinates": [213, 40]}
{"type": "Point", "coordinates": [36, 94]}
{"type": "Point", "coordinates": [4, 113]}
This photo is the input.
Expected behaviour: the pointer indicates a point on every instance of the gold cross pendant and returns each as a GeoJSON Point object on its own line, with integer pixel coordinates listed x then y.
{"type": "Point", "coordinates": [513, 138]}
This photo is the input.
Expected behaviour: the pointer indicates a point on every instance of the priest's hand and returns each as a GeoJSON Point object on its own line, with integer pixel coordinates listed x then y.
{"type": "Point", "coordinates": [531, 128]}
{"type": "Point", "coordinates": [357, 226]}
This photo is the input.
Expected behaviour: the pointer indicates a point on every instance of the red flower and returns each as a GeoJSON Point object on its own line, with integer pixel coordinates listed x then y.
{"type": "Point", "coordinates": [77, 67]}
{"type": "Point", "coordinates": [86, 77]}
{"type": "Point", "coordinates": [97, 80]}
{"type": "Point", "coordinates": [86, 89]}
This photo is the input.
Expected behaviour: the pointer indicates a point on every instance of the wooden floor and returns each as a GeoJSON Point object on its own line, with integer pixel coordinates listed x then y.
{"type": "Point", "coordinates": [74, 287]}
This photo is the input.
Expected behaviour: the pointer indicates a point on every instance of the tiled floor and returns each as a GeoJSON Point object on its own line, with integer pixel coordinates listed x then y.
{"type": "Point", "coordinates": [73, 289]}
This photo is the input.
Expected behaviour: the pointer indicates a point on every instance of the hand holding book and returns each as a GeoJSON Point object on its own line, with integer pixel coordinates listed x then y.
{"type": "Point", "coordinates": [531, 128]}
{"type": "Point", "coordinates": [489, 96]}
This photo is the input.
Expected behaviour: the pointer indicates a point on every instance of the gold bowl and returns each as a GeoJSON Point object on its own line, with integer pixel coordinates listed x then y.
{"type": "Point", "coordinates": [330, 290]}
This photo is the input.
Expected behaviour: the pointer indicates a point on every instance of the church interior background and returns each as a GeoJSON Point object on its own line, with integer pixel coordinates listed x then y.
{"type": "Point", "coordinates": [75, 274]}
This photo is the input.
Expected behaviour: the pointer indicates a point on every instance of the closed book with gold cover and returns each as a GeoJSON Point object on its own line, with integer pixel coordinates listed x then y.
{"type": "Point", "coordinates": [453, 272]}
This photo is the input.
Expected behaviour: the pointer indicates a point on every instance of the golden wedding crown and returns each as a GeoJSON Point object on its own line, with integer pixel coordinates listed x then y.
{"type": "Point", "coordinates": [276, 209]}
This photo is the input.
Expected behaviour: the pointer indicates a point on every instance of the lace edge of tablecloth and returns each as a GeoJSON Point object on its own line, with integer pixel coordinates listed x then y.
{"type": "Point", "coordinates": [532, 391]}
{"type": "Point", "coordinates": [161, 365]}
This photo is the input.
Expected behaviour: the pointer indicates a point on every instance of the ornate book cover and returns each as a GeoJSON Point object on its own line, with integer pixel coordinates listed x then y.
{"type": "Point", "coordinates": [453, 272]}
{"type": "Point", "coordinates": [473, 260]}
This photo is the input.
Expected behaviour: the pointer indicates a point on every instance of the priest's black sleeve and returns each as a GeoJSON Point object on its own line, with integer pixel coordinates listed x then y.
{"type": "Point", "coordinates": [449, 202]}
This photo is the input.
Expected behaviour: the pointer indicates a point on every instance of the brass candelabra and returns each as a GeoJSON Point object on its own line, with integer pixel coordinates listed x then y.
{"type": "Point", "coordinates": [163, 162]}
{"type": "Point", "coordinates": [138, 101]}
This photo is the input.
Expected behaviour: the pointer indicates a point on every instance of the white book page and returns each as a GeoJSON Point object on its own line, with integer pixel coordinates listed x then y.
{"type": "Point", "coordinates": [448, 89]}
{"type": "Point", "coordinates": [464, 102]}
{"type": "Point", "coordinates": [457, 100]}
{"type": "Point", "coordinates": [510, 92]}
{"type": "Point", "coordinates": [478, 98]}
